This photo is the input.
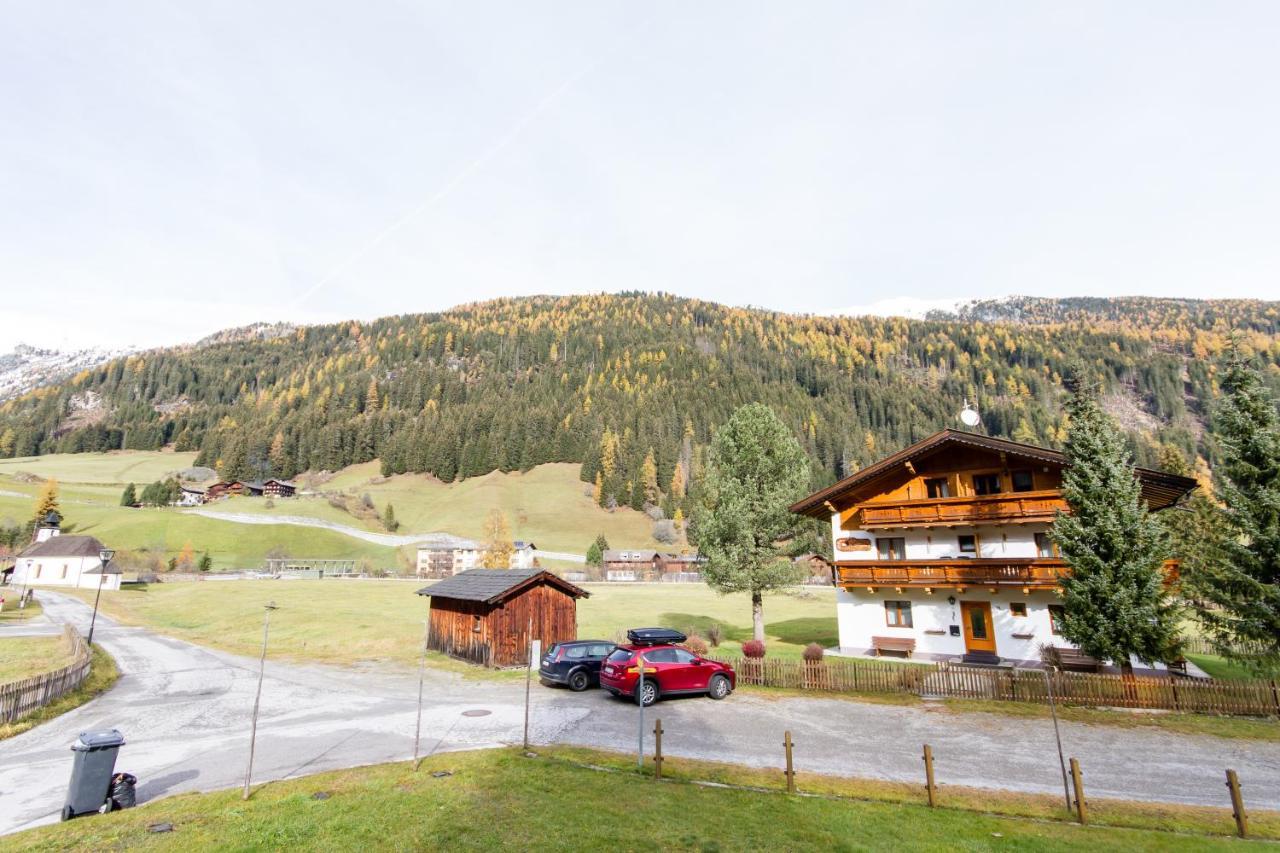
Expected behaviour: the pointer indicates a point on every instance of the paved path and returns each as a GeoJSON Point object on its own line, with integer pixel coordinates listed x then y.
{"type": "Point", "coordinates": [391, 540]}
{"type": "Point", "coordinates": [184, 710]}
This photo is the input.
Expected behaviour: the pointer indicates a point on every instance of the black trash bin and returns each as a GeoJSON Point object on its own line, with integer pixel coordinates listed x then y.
{"type": "Point", "coordinates": [95, 762]}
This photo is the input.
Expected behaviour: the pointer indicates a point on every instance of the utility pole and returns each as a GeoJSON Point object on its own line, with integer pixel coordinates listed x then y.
{"type": "Point", "coordinates": [1053, 712]}
{"type": "Point", "coordinates": [422, 671]}
{"type": "Point", "coordinates": [257, 699]}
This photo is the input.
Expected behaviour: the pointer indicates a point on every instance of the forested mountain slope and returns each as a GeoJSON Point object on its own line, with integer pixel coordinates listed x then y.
{"type": "Point", "coordinates": [633, 385]}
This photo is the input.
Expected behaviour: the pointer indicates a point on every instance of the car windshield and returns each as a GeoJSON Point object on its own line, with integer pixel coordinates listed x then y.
{"type": "Point", "coordinates": [620, 655]}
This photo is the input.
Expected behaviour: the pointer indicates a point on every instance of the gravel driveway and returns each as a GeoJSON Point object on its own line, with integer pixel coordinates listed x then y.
{"type": "Point", "coordinates": [184, 710]}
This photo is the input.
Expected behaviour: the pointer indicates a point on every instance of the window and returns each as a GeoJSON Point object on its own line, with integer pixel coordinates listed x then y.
{"type": "Point", "coordinates": [968, 544]}
{"type": "Point", "coordinates": [64, 571]}
{"type": "Point", "coordinates": [891, 547]}
{"type": "Point", "coordinates": [1056, 612]}
{"type": "Point", "coordinates": [937, 488]}
{"type": "Point", "coordinates": [475, 624]}
{"type": "Point", "coordinates": [1044, 546]}
{"type": "Point", "coordinates": [575, 652]}
{"type": "Point", "coordinates": [897, 614]}
{"type": "Point", "coordinates": [684, 656]}
{"type": "Point", "coordinates": [600, 651]}
{"type": "Point", "coordinates": [619, 655]}
{"type": "Point", "coordinates": [1017, 608]}
{"type": "Point", "coordinates": [662, 656]}
{"type": "Point", "coordinates": [39, 568]}
{"type": "Point", "coordinates": [986, 484]}
{"type": "Point", "coordinates": [1023, 481]}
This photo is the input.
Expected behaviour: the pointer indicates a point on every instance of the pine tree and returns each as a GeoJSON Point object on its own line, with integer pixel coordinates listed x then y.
{"type": "Point", "coordinates": [677, 483]}
{"type": "Point", "coordinates": [756, 470]}
{"type": "Point", "coordinates": [1117, 605]}
{"type": "Point", "coordinates": [206, 562]}
{"type": "Point", "coordinates": [1238, 575]}
{"type": "Point", "coordinates": [498, 546]}
{"type": "Point", "coordinates": [595, 553]}
{"type": "Point", "coordinates": [129, 496]}
{"type": "Point", "coordinates": [389, 519]}
{"type": "Point", "coordinates": [47, 501]}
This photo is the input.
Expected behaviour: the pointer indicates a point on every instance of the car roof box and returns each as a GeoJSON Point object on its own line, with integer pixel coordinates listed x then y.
{"type": "Point", "coordinates": [654, 636]}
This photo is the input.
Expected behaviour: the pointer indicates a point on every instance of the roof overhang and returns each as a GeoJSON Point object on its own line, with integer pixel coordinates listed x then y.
{"type": "Point", "coordinates": [1160, 489]}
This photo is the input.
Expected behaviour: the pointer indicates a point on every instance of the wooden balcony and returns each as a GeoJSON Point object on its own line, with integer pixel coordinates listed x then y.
{"type": "Point", "coordinates": [1007, 508]}
{"type": "Point", "coordinates": [1033, 573]}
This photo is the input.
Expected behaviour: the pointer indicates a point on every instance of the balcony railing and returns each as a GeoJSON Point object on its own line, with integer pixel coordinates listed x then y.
{"type": "Point", "coordinates": [1032, 572]}
{"type": "Point", "coordinates": [974, 509]}
{"type": "Point", "coordinates": [1029, 572]}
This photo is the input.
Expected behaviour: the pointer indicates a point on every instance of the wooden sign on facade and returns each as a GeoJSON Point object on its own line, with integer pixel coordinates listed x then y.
{"type": "Point", "coordinates": [851, 544]}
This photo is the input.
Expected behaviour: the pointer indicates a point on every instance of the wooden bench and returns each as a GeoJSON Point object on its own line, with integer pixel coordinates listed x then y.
{"type": "Point", "coordinates": [906, 645]}
{"type": "Point", "coordinates": [1074, 660]}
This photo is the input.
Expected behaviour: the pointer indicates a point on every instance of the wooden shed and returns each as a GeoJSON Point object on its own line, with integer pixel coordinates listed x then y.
{"type": "Point", "coordinates": [483, 615]}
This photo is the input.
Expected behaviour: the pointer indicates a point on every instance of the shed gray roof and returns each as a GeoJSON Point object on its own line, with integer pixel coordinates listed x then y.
{"type": "Point", "coordinates": [490, 585]}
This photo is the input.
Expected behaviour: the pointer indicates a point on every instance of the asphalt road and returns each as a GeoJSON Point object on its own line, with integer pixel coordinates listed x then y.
{"type": "Point", "coordinates": [184, 710]}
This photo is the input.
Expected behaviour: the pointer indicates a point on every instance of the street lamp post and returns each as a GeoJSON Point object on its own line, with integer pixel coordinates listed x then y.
{"type": "Point", "coordinates": [104, 556]}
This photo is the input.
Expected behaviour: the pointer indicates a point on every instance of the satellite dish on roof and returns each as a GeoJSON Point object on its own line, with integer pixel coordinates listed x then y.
{"type": "Point", "coordinates": [969, 416]}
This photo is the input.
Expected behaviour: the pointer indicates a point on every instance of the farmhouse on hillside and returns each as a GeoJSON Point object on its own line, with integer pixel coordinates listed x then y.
{"type": "Point", "coordinates": [189, 497]}
{"type": "Point", "coordinates": [943, 549]}
{"type": "Point", "coordinates": [67, 561]}
{"type": "Point", "coordinates": [634, 564]}
{"type": "Point", "coordinates": [522, 557]}
{"type": "Point", "coordinates": [484, 615]}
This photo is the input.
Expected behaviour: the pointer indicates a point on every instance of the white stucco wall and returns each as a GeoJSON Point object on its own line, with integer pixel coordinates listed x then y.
{"type": "Point", "coordinates": [61, 572]}
{"type": "Point", "coordinates": [994, 542]}
{"type": "Point", "coordinates": [861, 616]}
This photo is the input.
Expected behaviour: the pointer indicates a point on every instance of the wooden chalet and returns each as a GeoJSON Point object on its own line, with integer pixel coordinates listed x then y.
{"type": "Point", "coordinates": [964, 516]}
{"type": "Point", "coordinates": [483, 615]}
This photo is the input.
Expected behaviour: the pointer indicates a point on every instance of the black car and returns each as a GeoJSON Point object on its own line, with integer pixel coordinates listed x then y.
{"type": "Point", "coordinates": [575, 664]}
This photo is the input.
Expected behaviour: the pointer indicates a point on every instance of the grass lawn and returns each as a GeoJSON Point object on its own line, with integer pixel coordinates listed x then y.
{"type": "Point", "coordinates": [1220, 667]}
{"type": "Point", "coordinates": [121, 466]}
{"type": "Point", "coordinates": [545, 505]}
{"type": "Point", "coordinates": [350, 621]}
{"type": "Point", "coordinates": [102, 674]}
{"type": "Point", "coordinates": [23, 657]}
{"type": "Point", "coordinates": [12, 614]}
{"type": "Point", "coordinates": [501, 800]}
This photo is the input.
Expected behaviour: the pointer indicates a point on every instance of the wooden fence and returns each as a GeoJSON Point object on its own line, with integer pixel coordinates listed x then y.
{"type": "Point", "coordinates": [1257, 697]}
{"type": "Point", "coordinates": [19, 698]}
{"type": "Point", "coordinates": [1202, 646]}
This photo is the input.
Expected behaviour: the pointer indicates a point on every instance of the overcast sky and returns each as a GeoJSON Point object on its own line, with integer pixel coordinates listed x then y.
{"type": "Point", "coordinates": [169, 169]}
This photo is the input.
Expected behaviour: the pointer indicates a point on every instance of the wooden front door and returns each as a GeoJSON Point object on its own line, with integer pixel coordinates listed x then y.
{"type": "Point", "coordinates": [979, 633]}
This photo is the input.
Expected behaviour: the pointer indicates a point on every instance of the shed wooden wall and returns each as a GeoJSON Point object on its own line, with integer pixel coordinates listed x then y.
{"type": "Point", "coordinates": [503, 638]}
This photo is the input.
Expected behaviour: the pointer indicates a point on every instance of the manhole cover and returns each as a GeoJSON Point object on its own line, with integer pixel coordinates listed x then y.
{"type": "Point", "coordinates": [476, 712]}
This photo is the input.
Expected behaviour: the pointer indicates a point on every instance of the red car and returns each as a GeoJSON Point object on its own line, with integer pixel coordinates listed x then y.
{"type": "Point", "coordinates": [668, 668]}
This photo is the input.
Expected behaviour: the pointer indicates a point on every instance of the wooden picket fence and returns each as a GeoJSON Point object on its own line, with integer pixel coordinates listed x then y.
{"type": "Point", "coordinates": [19, 698]}
{"type": "Point", "coordinates": [1257, 697]}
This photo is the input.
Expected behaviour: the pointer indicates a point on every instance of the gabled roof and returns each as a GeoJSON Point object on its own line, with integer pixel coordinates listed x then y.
{"type": "Point", "coordinates": [1160, 489]}
{"type": "Point", "coordinates": [522, 545]}
{"type": "Point", "coordinates": [65, 546]}
{"type": "Point", "coordinates": [493, 585]}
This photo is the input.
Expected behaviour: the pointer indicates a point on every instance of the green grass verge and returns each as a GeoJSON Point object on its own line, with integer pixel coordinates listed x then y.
{"type": "Point", "coordinates": [501, 800]}
{"type": "Point", "coordinates": [357, 621]}
{"type": "Point", "coordinates": [23, 657]}
{"type": "Point", "coordinates": [102, 675]}
{"type": "Point", "coordinates": [12, 614]}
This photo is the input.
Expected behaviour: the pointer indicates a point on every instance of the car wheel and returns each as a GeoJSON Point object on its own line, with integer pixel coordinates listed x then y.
{"type": "Point", "coordinates": [67, 813]}
{"type": "Point", "coordinates": [579, 681]}
{"type": "Point", "coordinates": [649, 694]}
{"type": "Point", "coordinates": [719, 687]}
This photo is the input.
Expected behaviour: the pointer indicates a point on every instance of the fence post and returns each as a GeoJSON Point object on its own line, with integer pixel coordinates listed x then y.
{"type": "Point", "coordinates": [1275, 695]}
{"type": "Point", "coordinates": [928, 775]}
{"type": "Point", "coordinates": [791, 773]}
{"type": "Point", "coordinates": [657, 748]}
{"type": "Point", "coordinates": [1237, 804]}
{"type": "Point", "coordinates": [1077, 781]}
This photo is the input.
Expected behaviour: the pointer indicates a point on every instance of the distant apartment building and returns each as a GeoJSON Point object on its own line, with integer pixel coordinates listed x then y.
{"type": "Point", "coordinates": [445, 556]}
